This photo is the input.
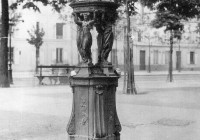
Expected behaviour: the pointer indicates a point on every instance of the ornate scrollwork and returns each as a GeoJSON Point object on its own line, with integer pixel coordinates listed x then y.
{"type": "Point", "coordinates": [111, 115]}
{"type": "Point", "coordinates": [84, 115]}
{"type": "Point", "coordinates": [118, 126]}
{"type": "Point", "coordinates": [97, 70]}
{"type": "Point", "coordinates": [71, 126]}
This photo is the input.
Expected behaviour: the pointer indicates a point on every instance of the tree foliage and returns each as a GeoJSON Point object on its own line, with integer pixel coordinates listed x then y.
{"type": "Point", "coordinates": [170, 21]}
{"type": "Point", "coordinates": [36, 36]}
{"type": "Point", "coordinates": [59, 4]}
{"type": "Point", "coordinates": [14, 16]}
{"type": "Point", "coordinates": [170, 13]}
{"type": "Point", "coordinates": [190, 8]}
{"type": "Point", "coordinates": [32, 4]}
{"type": "Point", "coordinates": [131, 7]}
{"type": "Point", "coordinates": [197, 28]}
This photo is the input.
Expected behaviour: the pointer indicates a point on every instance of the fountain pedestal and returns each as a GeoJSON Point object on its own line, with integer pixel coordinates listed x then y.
{"type": "Point", "coordinates": [94, 115]}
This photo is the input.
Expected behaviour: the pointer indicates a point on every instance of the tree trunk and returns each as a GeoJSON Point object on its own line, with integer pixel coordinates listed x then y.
{"type": "Point", "coordinates": [37, 59]}
{"type": "Point", "coordinates": [4, 82]}
{"type": "Point", "coordinates": [134, 91]}
{"type": "Point", "coordinates": [170, 58]}
{"type": "Point", "coordinates": [130, 72]}
{"type": "Point", "coordinates": [149, 62]}
{"type": "Point", "coordinates": [179, 57]}
{"type": "Point", "coordinates": [125, 63]}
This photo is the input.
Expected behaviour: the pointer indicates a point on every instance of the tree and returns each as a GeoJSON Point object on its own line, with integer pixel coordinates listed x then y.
{"type": "Point", "coordinates": [172, 23]}
{"type": "Point", "coordinates": [129, 80]}
{"type": "Point", "coordinates": [5, 18]}
{"type": "Point", "coordinates": [178, 35]}
{"type": "Point", "coordinates": [169, 14]}
{"type": "Point", "coordinates": [4, 82]}
{"type": "Point", "coordinates": [36, 39]}
{"type": "Point", "coordinates": [131, 89]}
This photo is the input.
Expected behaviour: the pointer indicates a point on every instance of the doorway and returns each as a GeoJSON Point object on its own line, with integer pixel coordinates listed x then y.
{"type": "Point", "coordinates": [142, 60]}
{"type": "Point", "coordinates": [178, 60]}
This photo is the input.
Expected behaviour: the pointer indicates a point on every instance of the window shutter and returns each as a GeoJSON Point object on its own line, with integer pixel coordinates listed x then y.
{"type": "Point", "coordinates": [196, 58]}
{"type": "Point", "coordinates": [155, 57]}
{"type": "Point", "coordinates": [163, 56]}
{"type": "Point", "coordinates": [159, 58]}
{"type": "Point", "coordinates": [65, 57]}
{"type": "Point", "coordinates": [61, 55]}
{"type": "Point", "coordinates": [152, 57]}
{"type": "Point", "coordinates": [53, 56]}
{"type": "Point", "coordinates": [54, 29]}
{"type": "Point", "coordinates": [59, 30]}
{"type": "Point", "coordinates": [66, 31]}
{"type": "Point", "coordinates": [188, 58]}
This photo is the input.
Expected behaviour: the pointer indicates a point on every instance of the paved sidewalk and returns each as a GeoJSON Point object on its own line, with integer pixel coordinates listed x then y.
{"type": "Point", "coordinates": [160, 111]}
{"type": "Point", "coordinates": [42, 113]}
{"type": "Point", "coordinates": [166, 73]}
{"type": "Point", "coordinates": [175, 72]}
{"type": "Point", "coordinates": [27, 79]}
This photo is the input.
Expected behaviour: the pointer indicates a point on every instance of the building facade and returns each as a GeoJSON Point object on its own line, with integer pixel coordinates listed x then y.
{"type": "Point", "coordinates": [150, 46]}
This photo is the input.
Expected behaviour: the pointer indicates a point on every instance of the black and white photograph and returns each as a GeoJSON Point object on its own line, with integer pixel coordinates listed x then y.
{"type": "Point", "coordinates": [99, 69]}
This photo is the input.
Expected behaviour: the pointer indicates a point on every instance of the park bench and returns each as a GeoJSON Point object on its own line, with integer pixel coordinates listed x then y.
{"type": "Point", "coordinates": [55, 73]}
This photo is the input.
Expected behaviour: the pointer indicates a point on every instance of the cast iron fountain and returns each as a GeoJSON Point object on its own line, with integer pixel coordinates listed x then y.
{"type": "Point", "coordinates": [94, 114]}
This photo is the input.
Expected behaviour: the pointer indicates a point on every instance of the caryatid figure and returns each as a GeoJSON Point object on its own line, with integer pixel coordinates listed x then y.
{"type": "Point", "coordinates": [105, 38]}
{"type": "Point", "coordinates": [84, 37]}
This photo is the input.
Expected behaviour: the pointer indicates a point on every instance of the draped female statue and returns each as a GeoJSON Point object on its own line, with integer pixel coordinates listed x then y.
{"type": "Point", "coordinates": [105, 38]}
{"type": "Point", "coordinates": [84, 37]}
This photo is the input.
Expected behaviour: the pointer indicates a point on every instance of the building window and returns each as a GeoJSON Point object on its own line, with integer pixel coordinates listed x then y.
{"type": "Point", "coordinates": [166, 57]}
{"type": "Point", "coordinates": [192, 58]}
{"type": "Point", "coordinates": [155, 57]}
{"type": "Point", "coordinates": [59, 30]}
{"type": "Point", "coordinates": [11, 55]}
{"type": "Point", "coordinates": [59, 55]}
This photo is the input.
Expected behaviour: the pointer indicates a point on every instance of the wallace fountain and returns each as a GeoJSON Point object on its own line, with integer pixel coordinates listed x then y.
{"type": "Point", "coordinates": [94, 114]}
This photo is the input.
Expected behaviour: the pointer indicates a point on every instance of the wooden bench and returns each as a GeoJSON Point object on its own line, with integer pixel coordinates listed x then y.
{"type": "Point", "coordinates": [55, 73]}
